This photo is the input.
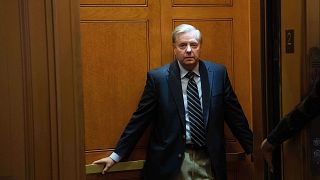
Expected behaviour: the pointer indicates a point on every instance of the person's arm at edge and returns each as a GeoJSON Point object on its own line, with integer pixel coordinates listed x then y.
{"type": "Point", "coordinates": [292, 123]}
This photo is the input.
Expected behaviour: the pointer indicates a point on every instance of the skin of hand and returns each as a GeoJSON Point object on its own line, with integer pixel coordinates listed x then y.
{"type": "Point", "coordinates": [267, 150]}
{"type": "Point", "coordinates": [107, 162]}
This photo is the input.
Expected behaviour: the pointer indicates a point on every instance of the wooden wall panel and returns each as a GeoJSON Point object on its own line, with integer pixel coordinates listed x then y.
{"type": "Point", "coordinates": [202, 2]}
{"type": "Point", "coordinates": [114, 76]}
{"type": "Point", "coordinates": [313, 24]}
{"type": "Point", "coordinates": [13, 156]}
{"type": "Point", "coordinates": [115, 2]}
{"type": "Point", "coordinates": [120, 43]}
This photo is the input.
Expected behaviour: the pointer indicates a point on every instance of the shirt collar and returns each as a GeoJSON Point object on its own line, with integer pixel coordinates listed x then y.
{"type": "Point", "coordinates": [184, 72]}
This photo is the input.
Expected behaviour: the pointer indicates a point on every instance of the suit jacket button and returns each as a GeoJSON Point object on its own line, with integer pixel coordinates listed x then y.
{"type": "Point", "coordinates": [180, 155]}
{"type": "Point", "coordinates": [184, 136]}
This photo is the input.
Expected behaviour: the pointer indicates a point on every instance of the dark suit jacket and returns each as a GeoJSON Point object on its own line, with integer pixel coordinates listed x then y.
{"type": "Point", "coordinates": [293, 122]}
{"type": "Point", "coordinates": [162, 105]}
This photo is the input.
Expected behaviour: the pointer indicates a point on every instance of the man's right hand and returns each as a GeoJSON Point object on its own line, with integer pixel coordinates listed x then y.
{"type": "Point", "coordinates": [107, 162]}
{"type": "Point", "coordinates": [267, 150]}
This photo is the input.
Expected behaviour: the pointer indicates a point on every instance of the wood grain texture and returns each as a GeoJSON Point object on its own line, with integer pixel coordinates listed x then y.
{"type": "Point", "coordinates": [258, 119]}
{"type": "Point", "coordinates": [114, 76]}
{"type": "Point", "coordinates": [114, 2]}
{"type": "Point", "coordinates": [13, 152]}
{"type": "Point", "coordinates": [202, 3]}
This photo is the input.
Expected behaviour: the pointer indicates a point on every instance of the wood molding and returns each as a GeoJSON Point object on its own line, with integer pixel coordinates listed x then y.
{"type": "Point", "coordinates": [68, 77]}
{"type": "Point", "coordinates": [14, 111]}
{"type": "Point", "coordinates": [208, 3]}
{"type": "Point", "coordinates": [114, 3]}
{"type": "Point", "coordinates": [257, 85]}
{"type": "Point", "coordinates": [27, 90]}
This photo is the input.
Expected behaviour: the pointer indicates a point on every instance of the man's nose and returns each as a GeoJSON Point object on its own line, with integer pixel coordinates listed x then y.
{"type": "Point", "coordinates": [188, 48]}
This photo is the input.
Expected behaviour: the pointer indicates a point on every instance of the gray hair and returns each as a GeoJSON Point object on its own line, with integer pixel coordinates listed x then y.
{"type": "Point", "coordinates": [185, 28]}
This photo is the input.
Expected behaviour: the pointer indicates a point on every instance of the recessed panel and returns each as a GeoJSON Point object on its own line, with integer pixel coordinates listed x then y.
{"type": "Point", "coordinates": [115, 62]}
{"type": "Point", "coordinates": [113, 2]}
{"type": "Point", "coordinates": [202, 2]}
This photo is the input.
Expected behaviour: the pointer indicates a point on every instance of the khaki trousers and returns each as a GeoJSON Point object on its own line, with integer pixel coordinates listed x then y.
{"type": "Point", "coordinates": [195, 166]}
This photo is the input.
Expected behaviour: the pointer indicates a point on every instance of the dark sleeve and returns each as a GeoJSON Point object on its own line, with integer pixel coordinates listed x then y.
{"type": "Point", "coordinates": [294, 121]}
{"type": "Point", "coordinates": [139, 121]}
{"type": "Point", "coordinates": [236, 119]}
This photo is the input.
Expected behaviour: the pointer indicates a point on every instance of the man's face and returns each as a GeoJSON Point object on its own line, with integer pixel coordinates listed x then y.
{"type": "Point", "coordinates": [187, 50]}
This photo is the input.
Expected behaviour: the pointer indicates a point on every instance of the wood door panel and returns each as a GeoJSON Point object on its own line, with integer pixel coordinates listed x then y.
{"type": "Point", "coordinates": [202, 2]}
{"type": "Point", "coordinates": [111, 13]}
{"type": "Point", "coordinates": [114, 2]}
{"type": "Point", "coordinates": [114, 76]}
{"type": "Point", "coordinates": [120, 43]}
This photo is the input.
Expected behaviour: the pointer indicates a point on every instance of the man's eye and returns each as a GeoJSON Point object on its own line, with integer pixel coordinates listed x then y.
{"type": "Point", "coordinates": [194, 45]}
{"type": "Point", "coordinates": [182, 46]}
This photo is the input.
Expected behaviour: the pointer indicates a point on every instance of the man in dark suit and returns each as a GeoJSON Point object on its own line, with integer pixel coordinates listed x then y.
{"type": "Point", "coordinates": [307, 110]}
{"type": "Point", "coordinates": [187, 103]}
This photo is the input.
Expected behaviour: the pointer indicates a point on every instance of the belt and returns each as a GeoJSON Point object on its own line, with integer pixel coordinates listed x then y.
{"type": "Point", "coordinates": [196, 147]}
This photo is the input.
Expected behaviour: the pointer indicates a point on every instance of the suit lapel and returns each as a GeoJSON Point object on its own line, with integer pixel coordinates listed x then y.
{"type": "Point", "coordinates": [206, 75]}
{"type": "Point", "coordinates": [174, 82]}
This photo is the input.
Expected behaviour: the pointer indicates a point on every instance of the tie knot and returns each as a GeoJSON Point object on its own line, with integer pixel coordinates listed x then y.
{"type": "Point", "coordinates": [190, 75]}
